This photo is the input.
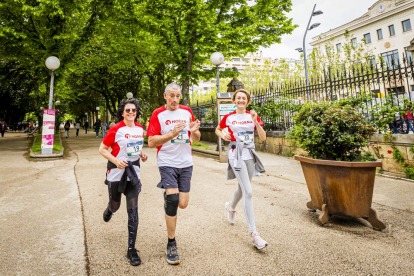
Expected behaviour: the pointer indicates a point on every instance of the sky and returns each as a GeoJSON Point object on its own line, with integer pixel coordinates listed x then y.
{"type": "Point", "coordinates": [335, 14]}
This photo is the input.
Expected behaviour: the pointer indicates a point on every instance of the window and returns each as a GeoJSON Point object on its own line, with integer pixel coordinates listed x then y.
{"type": "Point", "coordinates": [236, 59]}
{"type": "Point", "coordinates": [339, 47]}
{"type": "Point", "coordinates": [244, 59]}
{"type": "Point", "coordinates": [406, 24]}
{"type": "Point", "coordinates": [391, 59]}
{"type": "Point", "coordinates": [354, 42]}
{"type": "Point", "coordinates": [379, 33]}
{"type": "Point", "coordinates": [367, 38]}
{"type": "Point", "coordinates": [392, 30]}
{"type": "Point", "coordinates": [409, 56]}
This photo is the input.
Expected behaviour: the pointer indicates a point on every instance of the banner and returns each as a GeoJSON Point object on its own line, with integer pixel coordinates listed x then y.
{"type": "Point", "coordinates": [48, 130]}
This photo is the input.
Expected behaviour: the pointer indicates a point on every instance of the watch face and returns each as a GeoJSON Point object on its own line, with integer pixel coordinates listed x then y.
{"type": "Point", "coordinates": [381, 7]}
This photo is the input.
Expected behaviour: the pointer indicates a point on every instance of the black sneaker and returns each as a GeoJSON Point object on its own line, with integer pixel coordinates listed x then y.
{"type": "Point", "coordinates": [172, 255]}
{"type": "Point", "coordinates": [133, 257]}
{"type": "Point", "coordinates": [107, 215]}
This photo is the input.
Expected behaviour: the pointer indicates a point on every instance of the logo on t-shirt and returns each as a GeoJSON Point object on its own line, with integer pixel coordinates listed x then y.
{"type": "Point", "coordinates": [127, 136]}
{"type": "Point", "coordinates": [175, 121]}
{"type": "Point", "coordinates": [242, 122]}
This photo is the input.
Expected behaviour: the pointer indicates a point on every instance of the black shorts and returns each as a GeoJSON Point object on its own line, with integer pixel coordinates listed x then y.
{"type": "Point", "coordinates": [176, 178]}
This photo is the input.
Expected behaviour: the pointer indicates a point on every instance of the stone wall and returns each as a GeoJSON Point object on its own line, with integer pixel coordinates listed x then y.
{"type": "Point", "coordinates": [277, 143]}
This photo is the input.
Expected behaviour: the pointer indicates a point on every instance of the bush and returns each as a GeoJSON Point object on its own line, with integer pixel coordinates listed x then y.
{"type": "Point", "coordinates": [332, 131]}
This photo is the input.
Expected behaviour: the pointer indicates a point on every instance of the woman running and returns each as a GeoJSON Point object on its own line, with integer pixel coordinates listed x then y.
{"type": "Point", "coordinates": [126, 139]}
{"type": "Point", "coordinates": [242, 158]}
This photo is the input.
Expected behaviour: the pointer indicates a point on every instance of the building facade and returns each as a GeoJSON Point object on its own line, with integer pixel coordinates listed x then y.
{"type": "Point", "coordinates": [386, 29]}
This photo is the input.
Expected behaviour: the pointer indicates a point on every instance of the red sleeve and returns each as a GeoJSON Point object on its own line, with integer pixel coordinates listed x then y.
{"type": "Point", "coordinates": [223, 122]}
{"type": "Point", "coordinates": [154, 127]}
{"type": "Point", "coordinates": [259, 121]}
{"type": "Point", "coordinates": [109, 138]}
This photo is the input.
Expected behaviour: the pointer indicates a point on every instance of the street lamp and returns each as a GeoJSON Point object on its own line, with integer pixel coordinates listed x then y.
{"type": "Point", "coordinates": [52, 63]}
{"type": "Point", "coordinates": [314, 13]}
{"type": "Point", "coordinates": [217, 59]}
{"type": "Point", "coordinates": [129, 95]}
{"type": "Point", "coordinates": [97, 111]}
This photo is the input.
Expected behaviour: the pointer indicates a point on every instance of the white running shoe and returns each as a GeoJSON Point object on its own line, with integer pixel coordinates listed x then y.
{"type": "Point", "coordinates": [231, 213]}
{"type": "Point", "coordinates": [258, 242]}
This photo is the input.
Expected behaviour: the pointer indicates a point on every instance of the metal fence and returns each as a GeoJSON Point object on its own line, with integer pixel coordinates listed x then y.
{"type": "Point", "coordinates": [389, 81]}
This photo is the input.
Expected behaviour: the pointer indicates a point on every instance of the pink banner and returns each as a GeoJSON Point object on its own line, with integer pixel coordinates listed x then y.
{"type": "Point", "coordinates": [47, 140]}
{"type": "Point", "coordinates": [49, 112]}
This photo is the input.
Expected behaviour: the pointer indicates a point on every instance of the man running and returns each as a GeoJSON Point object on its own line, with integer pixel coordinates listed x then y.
{"type": "Point", "coordinates": [171, 128]}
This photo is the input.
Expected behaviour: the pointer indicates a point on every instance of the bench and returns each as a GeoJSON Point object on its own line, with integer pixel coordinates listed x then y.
{"type": "Point", "coordinates": [33, 132]}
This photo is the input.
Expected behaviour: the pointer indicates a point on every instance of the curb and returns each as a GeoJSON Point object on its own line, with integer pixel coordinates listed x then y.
{"type": "Point", "coordinates": [48, 156]}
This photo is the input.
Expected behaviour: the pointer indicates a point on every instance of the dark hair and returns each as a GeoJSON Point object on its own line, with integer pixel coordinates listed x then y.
{"type": "Point", "coordinates": [121, 108]}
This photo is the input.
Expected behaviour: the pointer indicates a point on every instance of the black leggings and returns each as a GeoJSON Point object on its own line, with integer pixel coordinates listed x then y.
{"type": "Point", "coordinates": [131, 194]}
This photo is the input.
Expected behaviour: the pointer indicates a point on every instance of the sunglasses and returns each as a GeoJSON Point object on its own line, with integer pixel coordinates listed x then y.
{"type": "Point", "coordinates": [128, 110]}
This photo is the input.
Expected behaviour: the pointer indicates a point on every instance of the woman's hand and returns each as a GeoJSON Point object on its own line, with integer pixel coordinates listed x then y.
{"type": "Point", "coordinates": [121, 164]}
{"type": "Point", "coordinates": [144, 157]}
{"type": "Point", "coordinates": [254, 115]}
{"type": "Point", "coordinates": [226, 136]}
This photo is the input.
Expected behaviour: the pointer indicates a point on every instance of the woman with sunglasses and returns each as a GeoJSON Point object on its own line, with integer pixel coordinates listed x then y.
{"type": "Point", "coordinates": [126, 139]}
{"type": "Point", "coordinates": [243, 160]}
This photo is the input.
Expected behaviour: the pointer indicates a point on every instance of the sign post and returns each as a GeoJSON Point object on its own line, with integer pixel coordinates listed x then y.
{"type": "Point", "coordinates": [224, 107]}
{"type": "Point", "coordinates": [48, 131]}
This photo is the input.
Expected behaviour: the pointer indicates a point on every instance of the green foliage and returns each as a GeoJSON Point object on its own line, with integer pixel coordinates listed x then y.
{"type": "Point", "coordinates": [330, 131]}
{"type": "Point", "coordinates": [277, 109]}
{"type": "Point", "coordinates": [199, 145]}
{"type": "Point", "coordinates": [406, 167]}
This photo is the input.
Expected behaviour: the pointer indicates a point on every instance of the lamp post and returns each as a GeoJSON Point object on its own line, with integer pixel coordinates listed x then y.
{"type": "Point", "coordinates": [52, 63]}
{"type": "Point", "coordinates": [97, 113]}
{"type": "Point", "coordinates": [314, 13]}
{"type": "Point", "coordinates": [57, 103]}
{"type": "Point", "coordinates": [217, 59]}
{"type": "Point", "coordinates": [129, 95]}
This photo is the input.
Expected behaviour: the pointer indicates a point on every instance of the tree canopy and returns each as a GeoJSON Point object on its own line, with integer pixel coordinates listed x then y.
{"type": "Point", "coordinates": [109, 48]}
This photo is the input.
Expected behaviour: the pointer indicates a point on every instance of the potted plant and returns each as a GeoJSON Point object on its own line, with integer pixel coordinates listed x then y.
{"type": "Point", "coordinates": [339, 175]}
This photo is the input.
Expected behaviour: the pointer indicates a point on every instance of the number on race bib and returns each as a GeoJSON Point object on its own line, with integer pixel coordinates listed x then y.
{"type": "Point", "coordinates": [246, 137]}
{"type": "Point", "coordinates": [182, 138]}
{"type": "Point", "coordinates": [134, 149]}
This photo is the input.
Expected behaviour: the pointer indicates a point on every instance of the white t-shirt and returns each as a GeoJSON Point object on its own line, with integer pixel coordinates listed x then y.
{"type": "Point", "coordinates": [241, 128]}
{"type": "Point", "coordinates": [126, 143]}
{"type": "Point", "coordinates": [177, 152]}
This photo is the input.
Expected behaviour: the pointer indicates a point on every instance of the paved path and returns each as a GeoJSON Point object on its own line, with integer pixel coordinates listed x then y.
{"type": "Point", "coordinates": [42, 231]}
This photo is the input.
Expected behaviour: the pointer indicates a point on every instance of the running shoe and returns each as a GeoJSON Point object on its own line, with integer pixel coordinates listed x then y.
{"type": "Point", "coordinates": [231, 213]}
{"type": "Point", "coordinates": [258, 242]}
{"type": "Point", "coordinates": [107, 215]}
{"type": "Point", "coordinates": [172, 255]}
{"type": "Point", "coordinates": [133, 257]}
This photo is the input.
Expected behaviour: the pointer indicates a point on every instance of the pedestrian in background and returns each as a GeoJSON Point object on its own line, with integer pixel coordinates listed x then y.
{"type": "Point", "coordinates": [96, 127]}
{"type": "Point", "coordinates": [67, 127]}
{"type": "Point", "coordinates": [3, 128]}
{"type": "Point", "coordinates": [86, 126]}
{"type": "Point", "coordinates": [77, 126]}
{"type": "Point", "coordinates": [104, 126]}
{"type": "Point", "coordinates": [112, 124]}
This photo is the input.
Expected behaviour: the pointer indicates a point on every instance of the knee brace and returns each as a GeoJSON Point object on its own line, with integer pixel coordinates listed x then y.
{"type": "Point", "coordinates": [171, 204]}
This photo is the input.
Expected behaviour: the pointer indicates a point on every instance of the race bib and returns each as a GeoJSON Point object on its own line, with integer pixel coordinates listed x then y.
{"type": "Point", "coordinates": [182, 138]}
{"type": "Point", "coordinates": [246, 137]}
{"type": "Point", "coordinates": [134, 149]}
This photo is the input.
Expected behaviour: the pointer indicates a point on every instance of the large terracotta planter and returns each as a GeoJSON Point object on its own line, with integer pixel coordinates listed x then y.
{"type": "Point", "coordinates": [345, 188]}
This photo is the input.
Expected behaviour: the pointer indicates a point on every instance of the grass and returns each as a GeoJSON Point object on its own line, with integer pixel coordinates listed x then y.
{"type": "Point", "coordinates": [37, 145]}
{"type": "Point", "coordinates": [199, 145]}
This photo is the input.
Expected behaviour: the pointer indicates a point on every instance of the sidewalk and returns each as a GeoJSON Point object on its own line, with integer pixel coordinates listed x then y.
{"type": "Point", "coordinates": [45, 231]}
